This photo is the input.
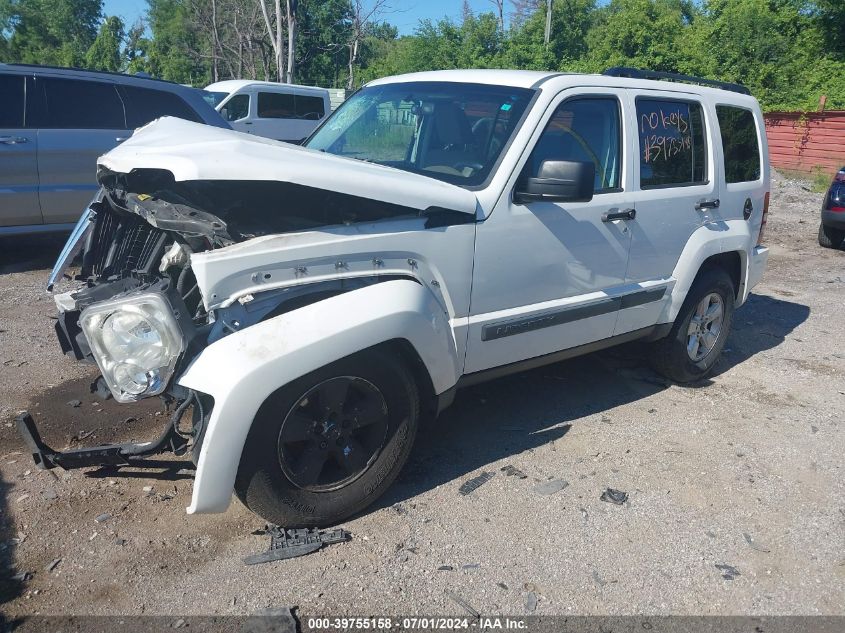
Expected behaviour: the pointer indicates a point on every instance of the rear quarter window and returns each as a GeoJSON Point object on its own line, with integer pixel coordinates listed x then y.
{"type": "Point", "coordinates": [739, 144]}
{"type": "Point", "coordinates": [146, 104]}
{"type": "Point", "coordinates": [672, 143]}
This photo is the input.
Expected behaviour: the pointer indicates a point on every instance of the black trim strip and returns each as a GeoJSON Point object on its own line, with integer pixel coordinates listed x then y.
{"type": "Point", "coordinates": [502, 329]}
{"type": "Point", "coordinates": [649, 333]}
{"type": "Point", "coordinates": [642, 297]}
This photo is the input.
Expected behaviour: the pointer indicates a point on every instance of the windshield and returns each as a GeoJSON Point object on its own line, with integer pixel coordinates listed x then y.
{"type": "Point", "coordinates": [214, 98]}
{"type": "Point", "coordinates": [450, 131]}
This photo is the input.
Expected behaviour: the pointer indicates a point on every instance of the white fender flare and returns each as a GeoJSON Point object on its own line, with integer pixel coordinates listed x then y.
{"type": "Point", "coordinates": [241, 370]}
{"type": "Point", "coordinates": [706, 241]}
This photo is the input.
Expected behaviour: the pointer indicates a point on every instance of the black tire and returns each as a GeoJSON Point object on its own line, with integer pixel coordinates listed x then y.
{"type": "Point", "coordinates": [670, 355]}
{"type": "Point", "coordinates": [830, 237]}
{"type": "Point", "coordinates": [263, 484]}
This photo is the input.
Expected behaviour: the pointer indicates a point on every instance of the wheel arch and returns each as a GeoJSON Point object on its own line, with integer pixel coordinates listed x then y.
{"type": "Point", "coordinates": [401, 314]}
{"type": "Point", "coordinates": [726, 245]}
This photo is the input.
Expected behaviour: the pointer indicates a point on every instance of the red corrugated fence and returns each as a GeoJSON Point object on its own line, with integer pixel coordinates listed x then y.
{"type": "Point", "coordinates": [805, 141]}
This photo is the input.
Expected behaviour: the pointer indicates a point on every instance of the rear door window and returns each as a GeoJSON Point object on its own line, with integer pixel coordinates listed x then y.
{"type": "Point", "coordinates": [739, 144]}
{"type": "Point", "coordinates": [146, 104]}
{"type": "Point", "coordinates": [672, 143]}
{"type": "Point", "coordinates": [276, 105]}
{"type": "Point", "coordinates": [72, 104]}
{"type": "Point", "coordinates": [12, 101]}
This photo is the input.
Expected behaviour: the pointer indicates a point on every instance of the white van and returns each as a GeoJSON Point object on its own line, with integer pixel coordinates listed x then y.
{"type": "Point", "coordinates": [285, 112]}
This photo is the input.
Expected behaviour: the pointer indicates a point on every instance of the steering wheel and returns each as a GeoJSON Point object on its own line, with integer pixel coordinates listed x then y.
{"type": "Point", "coordinates": [580, 140]}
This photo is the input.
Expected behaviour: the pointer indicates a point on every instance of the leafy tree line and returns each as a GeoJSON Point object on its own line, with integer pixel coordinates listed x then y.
{"type": "Point", "coordinates": [789, 52]}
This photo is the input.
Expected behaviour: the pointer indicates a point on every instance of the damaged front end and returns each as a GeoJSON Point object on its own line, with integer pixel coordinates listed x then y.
{"type": "Point", "coordinates": [136, 313]}
{"type": "Point", "coordinates": [162, 270]}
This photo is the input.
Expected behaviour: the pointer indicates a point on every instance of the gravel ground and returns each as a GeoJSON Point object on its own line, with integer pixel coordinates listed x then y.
{"type": "Point", "coordinates": [735, 486]}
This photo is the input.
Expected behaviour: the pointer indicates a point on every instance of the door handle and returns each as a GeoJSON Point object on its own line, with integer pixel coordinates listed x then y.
{"type": "Point", "coordinates": [13, 140]}
{"type": "Point", "coordinates": [627, 214]}
{"type": "Point", "coordinates": [707, 204]}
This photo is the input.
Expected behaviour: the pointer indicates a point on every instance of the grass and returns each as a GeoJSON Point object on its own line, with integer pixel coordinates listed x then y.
{"type": "Point", "coordinates": [818, 179]}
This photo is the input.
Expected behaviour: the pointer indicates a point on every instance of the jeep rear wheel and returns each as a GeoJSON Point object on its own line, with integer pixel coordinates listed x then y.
{"type": "Point", "coordinates": [327, 445]}
{"type": "Point", "coordinates": [830, 237]}
{"type": "Point", "coordinates": [701, 328]}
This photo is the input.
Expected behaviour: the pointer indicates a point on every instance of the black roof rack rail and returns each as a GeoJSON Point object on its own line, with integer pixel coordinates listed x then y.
{"type": "Point", "coordinates": [637, 73]}
{"type": "Point", "coordinates": [138, 75]}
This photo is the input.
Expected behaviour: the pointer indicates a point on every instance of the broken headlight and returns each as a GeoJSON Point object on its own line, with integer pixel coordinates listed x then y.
{"type": "Point", "coordinates": [136, 342]}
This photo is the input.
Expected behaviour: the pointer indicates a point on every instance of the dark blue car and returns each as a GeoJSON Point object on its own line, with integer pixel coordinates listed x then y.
{"type": "Point", "coordinates": [832, 227]}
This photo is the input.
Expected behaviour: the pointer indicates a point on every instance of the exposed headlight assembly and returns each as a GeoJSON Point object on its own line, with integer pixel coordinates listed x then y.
{"type": "Point", "coordinates": [136, 342]}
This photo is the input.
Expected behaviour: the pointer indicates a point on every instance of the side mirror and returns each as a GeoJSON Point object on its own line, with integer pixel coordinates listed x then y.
{"type": "Point", "coordinates": [558, 181]}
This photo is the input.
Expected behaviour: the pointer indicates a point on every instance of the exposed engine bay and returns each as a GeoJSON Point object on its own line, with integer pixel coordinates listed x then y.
{"type": "Point", "coordinates": [145, 227]}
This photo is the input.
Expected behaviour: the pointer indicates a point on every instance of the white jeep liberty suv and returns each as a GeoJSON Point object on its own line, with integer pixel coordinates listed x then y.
{"type": "Point", "coordinates": [311, 305]}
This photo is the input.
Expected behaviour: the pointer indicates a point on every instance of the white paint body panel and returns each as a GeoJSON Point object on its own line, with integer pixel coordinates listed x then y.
{"type": "Point", "coordinates": [235, 369]}
{"type": "Point", "coordinates": [516, 262]}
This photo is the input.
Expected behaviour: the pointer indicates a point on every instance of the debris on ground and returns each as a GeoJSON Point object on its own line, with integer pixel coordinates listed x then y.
{"type": "Point", "coordinates": [75, 403]}
{"type": "Point", "coordinates": [616, 497]}
{"type": "Point", "coordinates": [52, 564]}
{"type": "Point", "coordinates": [101, 518]}
{"type": "Point", "coordinates": [512, 471]}
{"type": "Point", "coordinates": [281, 620]}
{"type": "Point", "coordinates": [599, 581]}
{"type": "Point", "coordinates": [471, 566]}
{"type": "Point", "coordinates": [729, 572]}
{"type": "Point", "coordinates": [550, 487]}
{"type": "Point", "coordinates": [22, 576]}
{"type": "Point", "coordinates": [286, 544]}
{"type": "Point", "coordinates": [531, 602]}
{"type": "Point", "coordinates": [470, 485]}
{"type": "Point", "coordinates": [463, 604]}
{"type": "Point", "coordinates": [750, 540]}
{"type": "Point", "coordinates": [82, 435]}
{"type": "Point", "coordinates": [48, 494]}
{"type": "Point", "coordinates": [445, 568]}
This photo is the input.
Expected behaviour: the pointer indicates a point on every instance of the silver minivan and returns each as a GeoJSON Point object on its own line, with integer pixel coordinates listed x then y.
{"type": "Point", "coordinates": [56, 122]}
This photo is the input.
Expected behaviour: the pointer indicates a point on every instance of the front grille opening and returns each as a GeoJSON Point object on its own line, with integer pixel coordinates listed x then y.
{"type": "Point", "coordinates": [121, 245]}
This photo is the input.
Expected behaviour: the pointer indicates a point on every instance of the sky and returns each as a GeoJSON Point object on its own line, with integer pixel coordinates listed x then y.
{"type": "Point", "coordinates": [405, 14]}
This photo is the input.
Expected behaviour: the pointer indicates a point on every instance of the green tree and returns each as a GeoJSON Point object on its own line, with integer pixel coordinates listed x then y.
{"type": "Point", "coordinates": [105, 53]}
{"type": "Point", "coordinates": [321, 52]}
{"type": "Point", "coordinates": [649, 34]}
{"type": "Point", "coordinates": [779, 48]}
{"type": "Point", "coordinates": [171, 53]}
{"type": "Point", "coordinates": [571, 21]}
{"type": "Point", "coordinates": [58, 32]}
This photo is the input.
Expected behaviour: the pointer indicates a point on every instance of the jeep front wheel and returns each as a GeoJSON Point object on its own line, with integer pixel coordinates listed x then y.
{"type": "Point", "coordinates": [701, 328]}
{"type": "Point", "coordinates": [329, 444]}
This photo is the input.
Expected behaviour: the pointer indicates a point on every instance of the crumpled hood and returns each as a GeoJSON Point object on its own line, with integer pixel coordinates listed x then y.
{"type": "Point", "coordinates": [193, 151]}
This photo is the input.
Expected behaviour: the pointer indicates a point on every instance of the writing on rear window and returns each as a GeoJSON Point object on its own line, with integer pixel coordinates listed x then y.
{"type": "Point", "coordinates": [672, 146]}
